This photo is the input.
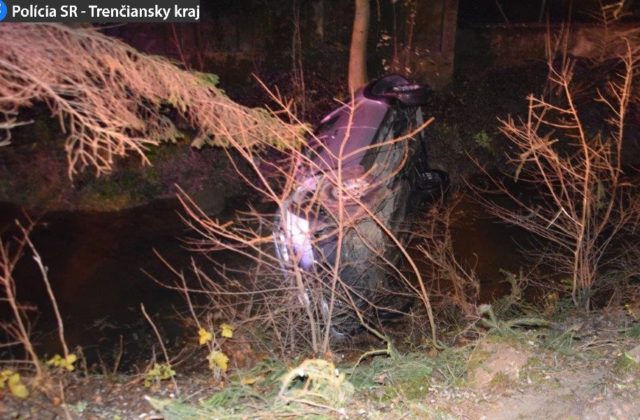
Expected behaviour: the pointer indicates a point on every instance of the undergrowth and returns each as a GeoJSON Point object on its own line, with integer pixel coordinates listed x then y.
{"type": "Point", "coordinates": [316, 387]}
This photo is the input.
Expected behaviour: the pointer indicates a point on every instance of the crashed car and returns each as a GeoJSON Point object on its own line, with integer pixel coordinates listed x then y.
{"type": "Point", "coordinates": [364, 172]}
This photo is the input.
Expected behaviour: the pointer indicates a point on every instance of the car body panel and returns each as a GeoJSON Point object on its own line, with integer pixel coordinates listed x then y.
{"type": "Point", "coordinates": [366, 146]}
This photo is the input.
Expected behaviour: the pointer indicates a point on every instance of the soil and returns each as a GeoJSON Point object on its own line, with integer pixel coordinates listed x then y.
{"type": "Point", "coordinates": [558, 387]}
{"type": "Point", "coordinates": [587, 366]}
{"type": "Point", "coordinates": [34, 173]}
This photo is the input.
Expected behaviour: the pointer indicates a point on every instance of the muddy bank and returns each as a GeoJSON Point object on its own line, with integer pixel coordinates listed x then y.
{"type": "Point", "coordinates": [585, 367]}
{"type": "Point", "coordinates": [34, 174]}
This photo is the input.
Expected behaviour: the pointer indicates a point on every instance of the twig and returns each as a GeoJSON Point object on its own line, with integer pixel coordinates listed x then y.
{"type": "Point", "coordinates": [52, 297]}
{"type": "Point", "coordinates": [162, 346]}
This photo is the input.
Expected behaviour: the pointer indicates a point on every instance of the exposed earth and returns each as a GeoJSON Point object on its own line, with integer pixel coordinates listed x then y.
{"type": "Point", "coordinates": [585, 366]}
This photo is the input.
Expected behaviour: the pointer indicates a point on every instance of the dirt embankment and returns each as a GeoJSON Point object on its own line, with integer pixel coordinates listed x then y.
{"type": "Point", "coordinates": [34, 175]}
{"type": "Point", "coordinates": [583, 366]}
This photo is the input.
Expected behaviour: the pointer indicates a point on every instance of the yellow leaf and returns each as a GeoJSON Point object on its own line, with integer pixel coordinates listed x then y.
{"type": "Point", "coordinates": [204, 336]}
{"type": "Point", "coordinates": [69, 361]}
{"type": "Point", "coordinates": [159, 372]}
{"type": "Point", "coordinates": [54, 361]}
{"type": "Point", "coordinates": [227, 330]}
{"type": "Point", "coordinates": [63, 363]}
{"type": "Point", "coordinates": [218, 360]}
{"type": "Point", "coordinates": [17, 388]}
{"type": "Point", "coordinates": [4, 377]}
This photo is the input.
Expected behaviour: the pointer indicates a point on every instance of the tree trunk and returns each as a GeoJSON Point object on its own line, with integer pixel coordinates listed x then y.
{"type": "Point", "coordinates": [358, 51]}
{"type": "Point", "coordinates": [318, 18]}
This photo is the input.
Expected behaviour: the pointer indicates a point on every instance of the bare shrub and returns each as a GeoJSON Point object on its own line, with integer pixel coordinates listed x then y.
{"type": "Point", "coordinates": [452, 283]}
{"type": "Point", "coordinates": [309, 308]}
{"type": "Point", "coordinates": [609, 38]}
{"type": "Point", "coordinates": [17, 328]}
{"type": "Point", "coordinates": [573, 191]}
{"type": "Point", "coordinates": [110, 98]}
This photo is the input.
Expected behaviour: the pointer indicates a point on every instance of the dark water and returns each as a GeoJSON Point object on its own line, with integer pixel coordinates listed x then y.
{"type": "Point", "coordinates": [96, 260]}
{"type": "Point", "coordinates": [95, 263]}
{"type": "Point", "coordinates": [488, 247]}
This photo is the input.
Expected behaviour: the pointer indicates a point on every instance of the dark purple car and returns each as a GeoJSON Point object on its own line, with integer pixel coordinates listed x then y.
{"type": "Point", "coordinates": [369, 156]}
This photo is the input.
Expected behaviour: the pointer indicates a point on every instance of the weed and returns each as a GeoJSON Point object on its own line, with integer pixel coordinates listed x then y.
{"type": "Point", "coordinates": [452, 365]}
{"type": "Point", "coordinates": [316, 381]}
{"type": "Point", "coordinates": [408, 376]}
{"type": "Point", "coordinates": [534, 371]}
{"type": "Point", "coordinates": [268, 389]}
{"type": "Point", "coordinates": [500, 327]}
{"type": "Point", "coordinates": [159, 372]}
{"type": "Point", "coordinates": [482, 139]}
{"type": "Point", "coordinates": [258, 384]}
{"type": "Point", "coordinates": [501, 382]}
{"type": "Point", "coordinates": [633, 331]}
{"type": "Point", "coordinates": [218, 362]}
{"type": "Point", "coordinates": [63, 363]}
{"type": "Point", "coordinates": [561, 341]}
{"type": "Point", "coordinates": [627, 365]}
{"type": "Point", "coordinates": [79, 407]}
